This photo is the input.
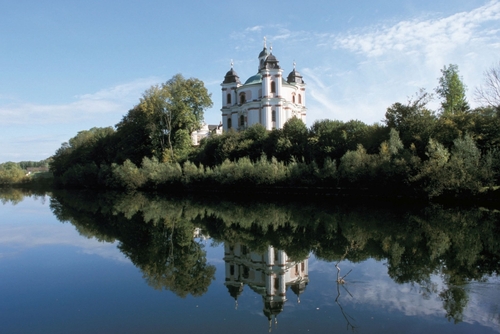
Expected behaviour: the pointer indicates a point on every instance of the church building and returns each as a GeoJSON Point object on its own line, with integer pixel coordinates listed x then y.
{"type": "Point", "coordinates": [266, 97]}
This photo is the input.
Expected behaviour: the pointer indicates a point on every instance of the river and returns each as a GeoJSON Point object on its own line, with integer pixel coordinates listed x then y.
{"type": "Point", "coordinates": [76, 262]}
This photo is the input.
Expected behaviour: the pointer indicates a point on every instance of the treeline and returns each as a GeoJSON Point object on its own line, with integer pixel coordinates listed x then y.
{"type": "Point", "coordinates": [415, 152]}
{"type": "Point", "coordinates": [19, 172]}
{"type": "Point", "coordinates": [392, 160]}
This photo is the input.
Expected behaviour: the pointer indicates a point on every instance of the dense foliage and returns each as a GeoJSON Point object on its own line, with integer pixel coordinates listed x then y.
{"type": "Point", "coordinates": [415, 152]}
{"type": "Point", "coordinates": [22, 172]}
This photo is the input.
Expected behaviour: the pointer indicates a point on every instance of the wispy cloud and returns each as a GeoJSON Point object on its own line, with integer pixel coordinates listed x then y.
{"type": "Point", "coordinates": [388, 63]}
{"type": "Point", "coordinates": [428, 36]}
{"type": "Point", "coordinates": [254, 28]}
{"type": "Point", "coordinates": [117, 99]}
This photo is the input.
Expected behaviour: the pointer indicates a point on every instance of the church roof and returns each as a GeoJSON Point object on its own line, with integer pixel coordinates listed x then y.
{"type": "Point", "coordinates": [231, 76]}
{"type": "Point", "coordinates": [295, 76]}
{"type": "Point", "coordinates": [271, 62]}
{"type": "Point", "coordinates": [263, 53]}
{"type": "Point", "coordinates": [254, 79]}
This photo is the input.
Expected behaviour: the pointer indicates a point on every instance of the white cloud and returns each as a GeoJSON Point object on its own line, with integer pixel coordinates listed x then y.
{"type": "Point", "coordinates": [389, 63]}
{"type": "Point", "coordinates": [254, 29]}
{"type": "Point", "coordinates": [430, 36]}
{"type": "Point", "coordinates": [117, 99]}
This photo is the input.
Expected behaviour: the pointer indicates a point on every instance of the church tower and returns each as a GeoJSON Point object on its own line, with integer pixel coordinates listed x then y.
{"type": "Point", "coordinates": [265, 98]}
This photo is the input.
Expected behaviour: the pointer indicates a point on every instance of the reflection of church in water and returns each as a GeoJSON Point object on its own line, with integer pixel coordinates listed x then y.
{"type": "Point", "coordinates": [269, 274]}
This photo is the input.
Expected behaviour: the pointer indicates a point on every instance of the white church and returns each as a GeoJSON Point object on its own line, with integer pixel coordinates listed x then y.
{"type": "Point", "coordinates": [266, 97]}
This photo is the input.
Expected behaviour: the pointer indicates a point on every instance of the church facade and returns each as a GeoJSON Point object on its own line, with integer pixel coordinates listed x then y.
{"type": "Point", "coordinates": [265, 98]}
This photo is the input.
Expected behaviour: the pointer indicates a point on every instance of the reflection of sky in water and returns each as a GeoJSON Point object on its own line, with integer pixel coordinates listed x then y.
{"type": "Point", "coordinates": [51, 275]}
{"type": "Point", "coordinates": [31, 223]}
{"type": "Point", "coordinates": [370, 284]}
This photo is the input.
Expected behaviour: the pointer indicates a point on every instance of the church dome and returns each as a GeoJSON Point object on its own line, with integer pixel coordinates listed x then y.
{"type": "Point", "coordinates": [271, 62]}
{"type": "Point", "coordinates": [295, 77]}
{"type": "Point", "coordinates": [263, 53]}
{"type": "Point", "coordinates": [254, 79]}
{"type": "Point", "coordinates": [231, 77]}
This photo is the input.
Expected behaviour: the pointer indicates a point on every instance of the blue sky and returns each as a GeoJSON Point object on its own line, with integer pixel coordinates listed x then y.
{"type": "Point", "coordinates": [67, 66]}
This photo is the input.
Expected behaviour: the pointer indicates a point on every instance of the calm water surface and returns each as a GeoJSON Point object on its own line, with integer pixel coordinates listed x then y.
{"type": "Point", "coordinates": [139, 265]}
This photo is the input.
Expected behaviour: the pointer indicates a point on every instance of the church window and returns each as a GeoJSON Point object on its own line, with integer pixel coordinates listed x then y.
{"type": "Point", "coordinates": [273, 116]}
{"type": "Point", "coordinates": [293, 98]}
{"type": "Point", "coordinates": [276, 283]}
{"type": "Point", "coordinates": [228, 98]}
{"type": "Point", "coordinates": [273, 87]}
{"type": "Point", "coordinates": [229, 123]}
{"type": "Point", "coordinates": [242, 98]}
{"type": "Point", "coordinates": [300, 99]}
{"type": "Point", "coordinates": [231, 270]}
{"type": "Point", "coordinates": [246, 272]}
{"type": "Point", "coordinates": [242, 120]}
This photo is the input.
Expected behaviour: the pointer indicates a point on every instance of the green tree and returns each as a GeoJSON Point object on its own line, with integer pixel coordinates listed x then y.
{"type": "Point", "coordinates": [294, 140]}
{"type": "Point", "coordinates": [464, 166]}
{"type": "Point", "coordinates": [87, 147]}
{"type": "Point", "coordinates": [11, 172]}
{"type": "Point", "coordinates": [452, 91]}
{"type": "Point", "coordinates": [432, 177]}
{"type": "Point", "coordinates": [164, 119]}
{"type": "Point", "coordinates": [414, 121]}
{"type": "Point", "coordinates": [332, 139]}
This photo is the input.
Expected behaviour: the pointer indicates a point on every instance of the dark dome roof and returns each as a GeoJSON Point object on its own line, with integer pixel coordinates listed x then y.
{"type": "Point", "coordinates": [231, 76]}
{"type": "Point", "coordinates": [271, 62]}
{"type": "Point", "coordinates": [264, 52]}
{"type": "Point", "coordinates": [295, 76]}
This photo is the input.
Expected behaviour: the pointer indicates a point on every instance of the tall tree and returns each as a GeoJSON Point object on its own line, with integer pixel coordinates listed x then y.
{"type": "Point", "coordinates": [166, 116]}
{"type": "Point", "coordinates": [452, 91]}
{"type": "Point", "coordinates": [414, 121]}
{"type": "Point", "coordinates": [489, 92]}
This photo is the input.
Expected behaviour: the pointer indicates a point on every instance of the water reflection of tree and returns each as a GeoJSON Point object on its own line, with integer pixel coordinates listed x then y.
{"type": "Point", "coordinates": [157, 234]}
{"type": "Point", "coordinates": [162, 246]}
{"type": "Point", "coordinates": [16, 195]}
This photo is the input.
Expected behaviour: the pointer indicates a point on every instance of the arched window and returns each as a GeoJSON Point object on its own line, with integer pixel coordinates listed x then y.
{"type": "Point", "coordinates": [229, 123]}
{"type": "Point", "coordinates": [293, 98]}
{"type": "Point", "coordinates": [273, 87]}
{"type": "Point", "coordinates": [242, 120]}
{"type": "Point", "coordinates": [300, 99]}
{"type": "Point", "coordinates": [242, 98]}
{"type": "Point", "coordinates": [228, 98]}
{"type": "Point", "coordinates": [246, 272]}
{"type": "Point", "coordinates": [273, 116]}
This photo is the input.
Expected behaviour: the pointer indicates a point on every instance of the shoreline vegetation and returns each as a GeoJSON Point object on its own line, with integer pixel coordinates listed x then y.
{"type": "Point", "coordinates": [415, 153]}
